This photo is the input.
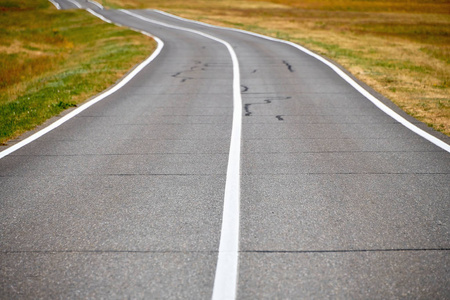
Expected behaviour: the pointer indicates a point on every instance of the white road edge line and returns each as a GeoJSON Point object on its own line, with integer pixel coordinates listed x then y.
{"type": "Point", "coordinates": [98, 15]}
{"type": "Point", "coordinates": [56, 4]}
{"type": "Point", "coordinates": [342, 74]}
{"type": "Point", "coordinates": [225, 281]}
{"type": "Point", "coordinates": [100, 97]}
{"type": "Point", "coordinates": [75, 3]}
{"type": "Point", "coordinates": [96, 4]}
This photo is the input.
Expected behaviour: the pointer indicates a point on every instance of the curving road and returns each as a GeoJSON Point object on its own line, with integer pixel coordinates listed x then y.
{"type": "Point", "coordinates": [126, 199]}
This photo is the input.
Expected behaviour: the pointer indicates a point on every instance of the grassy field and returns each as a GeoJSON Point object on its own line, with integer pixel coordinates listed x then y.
{"type": "Point", "coordinates": [51, 60]}
{"type": "Point", "coordinates": [401, 48]}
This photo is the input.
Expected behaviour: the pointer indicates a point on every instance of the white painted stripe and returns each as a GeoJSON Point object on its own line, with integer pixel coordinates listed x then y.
{"type": "Point", "coordinates": [342, 74]}
{"type": "Point", "coordinates": [98, 15]}
{"type": "Point", "coordinates": [75, 112]}
{"type": "Point", "coordinates": [225, 282]}
{"type": "Point", "coordinates": [96, 4]}
{"type": "Point", "coordinates": [56, 4]}
{"type": "Point", "coordinates": [75, 3]}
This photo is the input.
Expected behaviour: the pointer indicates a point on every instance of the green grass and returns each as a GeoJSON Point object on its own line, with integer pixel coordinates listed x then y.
{"type": "Point", "coordinates": [52, 60]}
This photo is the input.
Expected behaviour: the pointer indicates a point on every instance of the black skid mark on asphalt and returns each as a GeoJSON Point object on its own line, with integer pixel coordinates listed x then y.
{"type": "Point", "coordinates": [244, 88]}
{"type": "Point", "coordinates": [183, 78]}
{"type": "Point", "coordinates": [197, 65]}
{"type": "Point", "coordinates": [289, 66]}
{"type": "Point", "coordinates": [247, 110]}
{"type": "Point", "coordinates": [266, 101]}
{"type": "Point", "coordinates": [193, 68]}
{"type": "Point", "coordinates": [247, 107]}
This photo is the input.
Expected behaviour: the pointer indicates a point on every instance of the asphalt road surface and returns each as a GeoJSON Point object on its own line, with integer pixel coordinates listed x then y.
{"type": "Point", "coordinates": [126, 199]}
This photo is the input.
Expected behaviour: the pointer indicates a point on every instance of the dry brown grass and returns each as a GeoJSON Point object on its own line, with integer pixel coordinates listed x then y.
{"type": "Point", "coordinates": [400, 48]}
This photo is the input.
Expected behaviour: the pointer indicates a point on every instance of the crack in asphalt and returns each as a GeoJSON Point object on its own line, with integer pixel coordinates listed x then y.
{"type": "Point", "coordinates": [244, 88]}
{"type": "Point", "coordinates": [191, 69]}
{"type": "Point", "coordinates": [347, 251]}
{"type": "Point", "coordinates": [266, 101]}
{"type": "Point", "coordinates": [289, 66]}
{"type": "Point", "coordinates": [215, 251]}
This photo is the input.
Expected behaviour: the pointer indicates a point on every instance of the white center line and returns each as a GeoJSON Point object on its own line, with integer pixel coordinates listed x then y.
{"type": "Point", "coordinates": [225, 282]}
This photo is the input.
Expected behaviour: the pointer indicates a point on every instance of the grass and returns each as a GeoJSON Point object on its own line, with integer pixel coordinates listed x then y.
{"type": "Point", "coordinates": [401, 48]}
{"type": "Point", "coordinates": [52, 60]}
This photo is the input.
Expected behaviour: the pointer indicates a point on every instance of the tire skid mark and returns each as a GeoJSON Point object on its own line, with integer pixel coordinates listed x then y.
{"type": "Point", "coordinates": [198, 66]}
{"type": "Point", "coordinates": [248, 112]}
{"type": "Point", "coordinates": [289, 66]}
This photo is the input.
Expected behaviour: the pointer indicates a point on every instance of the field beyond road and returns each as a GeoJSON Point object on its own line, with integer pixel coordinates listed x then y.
{"type": "Point", "coordinates": [51, 60]}
{"type": "Point", "coordinates": [400, 48]}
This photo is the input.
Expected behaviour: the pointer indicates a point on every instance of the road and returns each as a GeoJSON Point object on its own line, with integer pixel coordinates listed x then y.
{"type": "Point", "coordinates": [126, 199]}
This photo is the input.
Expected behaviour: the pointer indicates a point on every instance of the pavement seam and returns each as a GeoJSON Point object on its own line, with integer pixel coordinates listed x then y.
{"type": "Point", "coordinates": [101, 251]}
{"type": "Point", "coordinates": [348, 251]}
{"type": "Point", "coordinates": [241, 251]}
